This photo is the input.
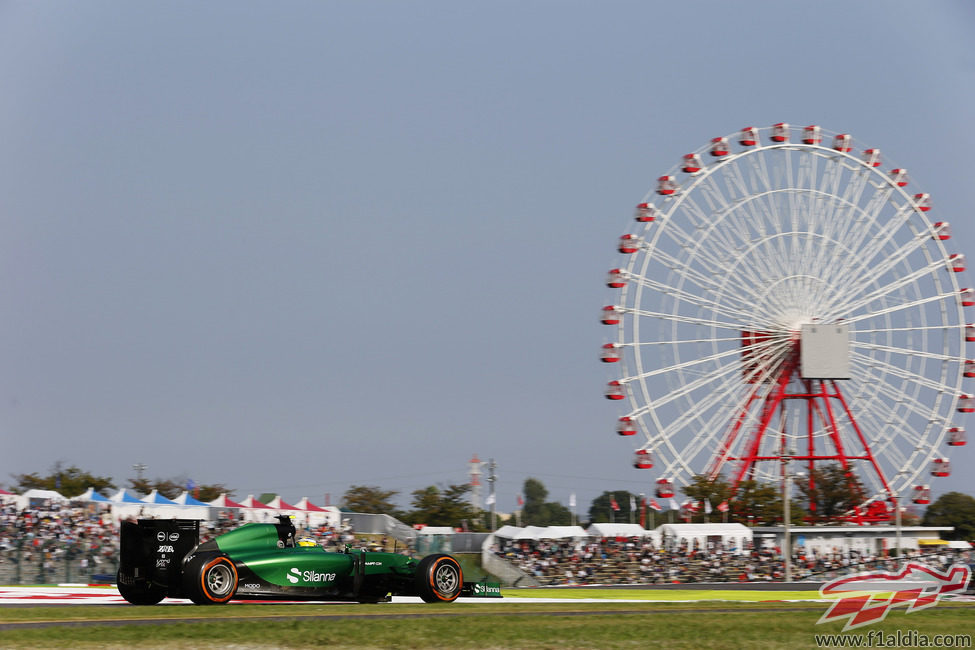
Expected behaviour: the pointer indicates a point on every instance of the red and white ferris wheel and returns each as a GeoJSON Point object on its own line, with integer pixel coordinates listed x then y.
{"type": "Point", "coordinates": [788, 302]}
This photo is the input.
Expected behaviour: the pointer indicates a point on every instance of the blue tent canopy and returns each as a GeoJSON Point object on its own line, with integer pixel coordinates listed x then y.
{"type": "Point", "coordinates": [155, 497]}
{"type": "Point", "coordinates": [185, 499]}
{"type": "Point", "coordinates": [91, 495]}
{"type": "Point", "coordinates": [123, 496]}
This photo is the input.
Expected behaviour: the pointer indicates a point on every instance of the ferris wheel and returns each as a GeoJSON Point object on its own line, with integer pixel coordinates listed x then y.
{"type": "Point", "coordinates": [788, 302]}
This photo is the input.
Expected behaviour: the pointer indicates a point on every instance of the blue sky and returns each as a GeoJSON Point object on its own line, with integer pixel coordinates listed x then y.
{"type": "Point", "coordinates": [291, 248]}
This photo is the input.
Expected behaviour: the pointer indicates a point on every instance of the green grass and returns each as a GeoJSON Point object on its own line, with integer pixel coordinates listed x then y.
{"type": "Point", "coordinates": [459, 625]}
{"type": "Point", "coordinates": [668, 595]}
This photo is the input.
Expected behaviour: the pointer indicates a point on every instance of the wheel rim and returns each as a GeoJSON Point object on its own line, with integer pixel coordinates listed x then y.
{"type": "Point", "coordinates": [445, 579]}
{"type": "Point", "coordinates": [219, 580]}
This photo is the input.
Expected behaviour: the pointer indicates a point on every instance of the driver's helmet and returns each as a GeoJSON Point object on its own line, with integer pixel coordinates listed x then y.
{"type": "Point", "coordinates": [307, 541]}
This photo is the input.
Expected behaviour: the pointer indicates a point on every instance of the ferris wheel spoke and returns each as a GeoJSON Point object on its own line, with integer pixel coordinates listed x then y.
{"type": "Point", "coordinates": [896, 371]}
{"type": "Point", "coordinates": [692, 275]}
{"type": "Point", "coordinates": [697, 361]}
{"type": "Point", "coordinates": [851, 302]}
{"type": "Point", "coordinates": [909, 354]}
{"type": "Point", "coordinates": [701, 299]}
{"type": "Point", "coordinates": [665, 438]}
{"type": "Point", "coordinates": [928, 328]}
{"type": "Point", "coordinates": [890, 260]}
{"type": "Point", "coordinates": [903, 399]}
{"type": "Point", "coordinates": [687, 320]}
{"type": "Point", "coordinates": [888, 310]}
{"type": "Point", "coordinates": [875, 255]}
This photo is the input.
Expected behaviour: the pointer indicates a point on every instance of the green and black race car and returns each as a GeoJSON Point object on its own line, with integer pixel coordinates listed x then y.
{"type": "Point", "coordinates": [163, 557]}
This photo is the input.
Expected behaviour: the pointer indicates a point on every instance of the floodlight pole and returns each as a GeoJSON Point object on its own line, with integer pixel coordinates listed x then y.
{"type": "Point", "coordinates": [787, 545]}
{"type": "Point", "coordinates": [897, 519]}
{"type": "Point", "coordinates": [491, 479]}
{"type": "Point", "coordinates": [139, 468]}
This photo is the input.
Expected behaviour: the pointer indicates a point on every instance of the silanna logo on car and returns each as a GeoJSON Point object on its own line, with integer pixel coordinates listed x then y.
{"type": "Point", "coordinates": [295, 575]}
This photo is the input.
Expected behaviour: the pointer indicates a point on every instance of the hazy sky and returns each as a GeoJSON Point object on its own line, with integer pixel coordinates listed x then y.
{"type": "Point", "coordinates": [294, 246]}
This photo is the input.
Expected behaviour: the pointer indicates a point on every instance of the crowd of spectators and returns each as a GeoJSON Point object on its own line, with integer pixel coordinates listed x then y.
{"type": "Point", "coordinates": [40, 543]}
{"type": "Point", "coordinates": [641, 561]}
{"type": "Point", "coordinates": [66, 542]}
{"type": "Point", "coordinates": [70, 542]}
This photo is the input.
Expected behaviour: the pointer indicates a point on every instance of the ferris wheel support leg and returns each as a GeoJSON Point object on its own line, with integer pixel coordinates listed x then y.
{"type": "Point", "coordinates": [811, 409]}
{"type": "Point", "coordinates": [863, 441]}
{"type": "Point", "coordinates": [717, 463]}
{"type": "Point", "coordinates": [834, 434]}
{"type": "Point", "coordinates": [772, 404]}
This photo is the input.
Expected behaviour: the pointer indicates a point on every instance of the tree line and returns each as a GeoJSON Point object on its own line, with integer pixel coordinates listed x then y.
{"type": "Point", "coordinates": [823, 500]}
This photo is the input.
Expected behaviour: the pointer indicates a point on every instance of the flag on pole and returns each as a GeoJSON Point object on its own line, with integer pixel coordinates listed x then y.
{"type": "Point", "coordinates": [572, 500]}
{"type": "Point", "coordinates": [612, 504]}
{"type": "Point", "coordinates": [707, 506]}
{"type": "Point", "coordinates": [655, 505]}
{"type": "Point", "coordinates": [521, 501]}
{"type": "Point", "coordinates": [723, 506]}
{"type": "Point", "coordinates": [489, 500]}
{"type": "Point", "coordinates": [673, 505]}
{"type": "Point", "coordinates": [632, 503]}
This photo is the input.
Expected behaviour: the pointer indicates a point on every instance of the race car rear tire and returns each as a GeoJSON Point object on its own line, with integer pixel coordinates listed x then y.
{"type": "Point", "coordinates": [439, 579]}
{"type": "Point", "coordinates": [210, 580]}
{"type": "Point", "coordinates": [139, 594]}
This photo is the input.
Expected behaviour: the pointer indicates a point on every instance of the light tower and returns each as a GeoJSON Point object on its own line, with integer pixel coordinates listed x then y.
{"type": "Point", "coordinates": [475, 464]}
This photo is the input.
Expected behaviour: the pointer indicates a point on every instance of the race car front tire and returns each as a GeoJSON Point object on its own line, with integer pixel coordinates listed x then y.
{"type": "Point", "coordinates": [439, 579]}
{"type": "Point", "coordinates": [210, 580]}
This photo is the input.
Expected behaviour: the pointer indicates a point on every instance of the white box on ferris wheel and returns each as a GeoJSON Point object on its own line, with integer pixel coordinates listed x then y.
{"type": "Point", "coordinates": [824, 351]}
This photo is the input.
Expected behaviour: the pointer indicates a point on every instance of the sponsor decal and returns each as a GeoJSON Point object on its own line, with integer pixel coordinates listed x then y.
{"type": "Point", "coordinates": [296, 575]}
{"type": "Point", "coordinates": [165, 548]}
{"type": "Point", "coordinates": [486, 589]}
{"type": "Point", "coordinates": [160, 536]}
{"type": "Point", "coordinates": [173, 537]}
{"type": "Point", "coordinates": [866, 598]}
{"type": "Point", "coordinates": [252, 585]}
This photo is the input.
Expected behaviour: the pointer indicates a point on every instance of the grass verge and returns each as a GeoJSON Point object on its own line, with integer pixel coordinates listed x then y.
{"type": "Point", "coordinates": [460, 625]}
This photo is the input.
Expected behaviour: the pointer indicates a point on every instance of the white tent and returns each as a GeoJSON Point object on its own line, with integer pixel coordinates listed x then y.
{"type": "Point", "coordinates": [36, 498]}
{"type": "Point", "coordinates": [508, 532]}
{"type": "Point", "coordinates": [731, 535]}
{"type": "Point", "coordinates": [314, 516]}
{"type": "Point", "coordinates": [254, 510]}
{"type": "Point", "coordinates": [563, 532]}
{"type": "Point", "coordinates": [530, 532]}
{"type": "Point", "coordinates": [435, 530]}
{"type": "Point", "coordinates": [617, 530]}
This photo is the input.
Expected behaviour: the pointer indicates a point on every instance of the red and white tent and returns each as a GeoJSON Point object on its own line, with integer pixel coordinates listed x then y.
{"type": "Point", "coordinates": [223, 501]}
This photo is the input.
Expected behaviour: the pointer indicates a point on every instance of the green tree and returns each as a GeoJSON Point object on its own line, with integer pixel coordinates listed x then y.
{"type": "Point", "coordinates": [173, 487]}
{"type": "Point", "coordinates": [953, 509]}
{"type": "Point", "coordinates": [437, 506]}
{"type": "Point", "coordinates": [601, 508]}
{"type": "Point", "coordinates": [831, 493]}
{"type": "Point", "coordinates": [539, 512]}
{"type": "Point", "coordinates": [68, 481]}
{"type": "Point", "coordinates": [370, 499]}
{"type": "Point", "coordinates": [209, 492]}
{"type": "Point", "coordinates": [705, 490]}
{"type": "Point", "coordinates": [760, 504]}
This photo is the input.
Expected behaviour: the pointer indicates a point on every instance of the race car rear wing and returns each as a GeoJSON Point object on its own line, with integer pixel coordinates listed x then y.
{"type": "Point", "coordinates": [152, 552]}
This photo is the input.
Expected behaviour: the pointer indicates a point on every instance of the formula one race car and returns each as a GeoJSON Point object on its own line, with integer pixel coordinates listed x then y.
{"type": "Point", "coordinates": [163, 557]}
